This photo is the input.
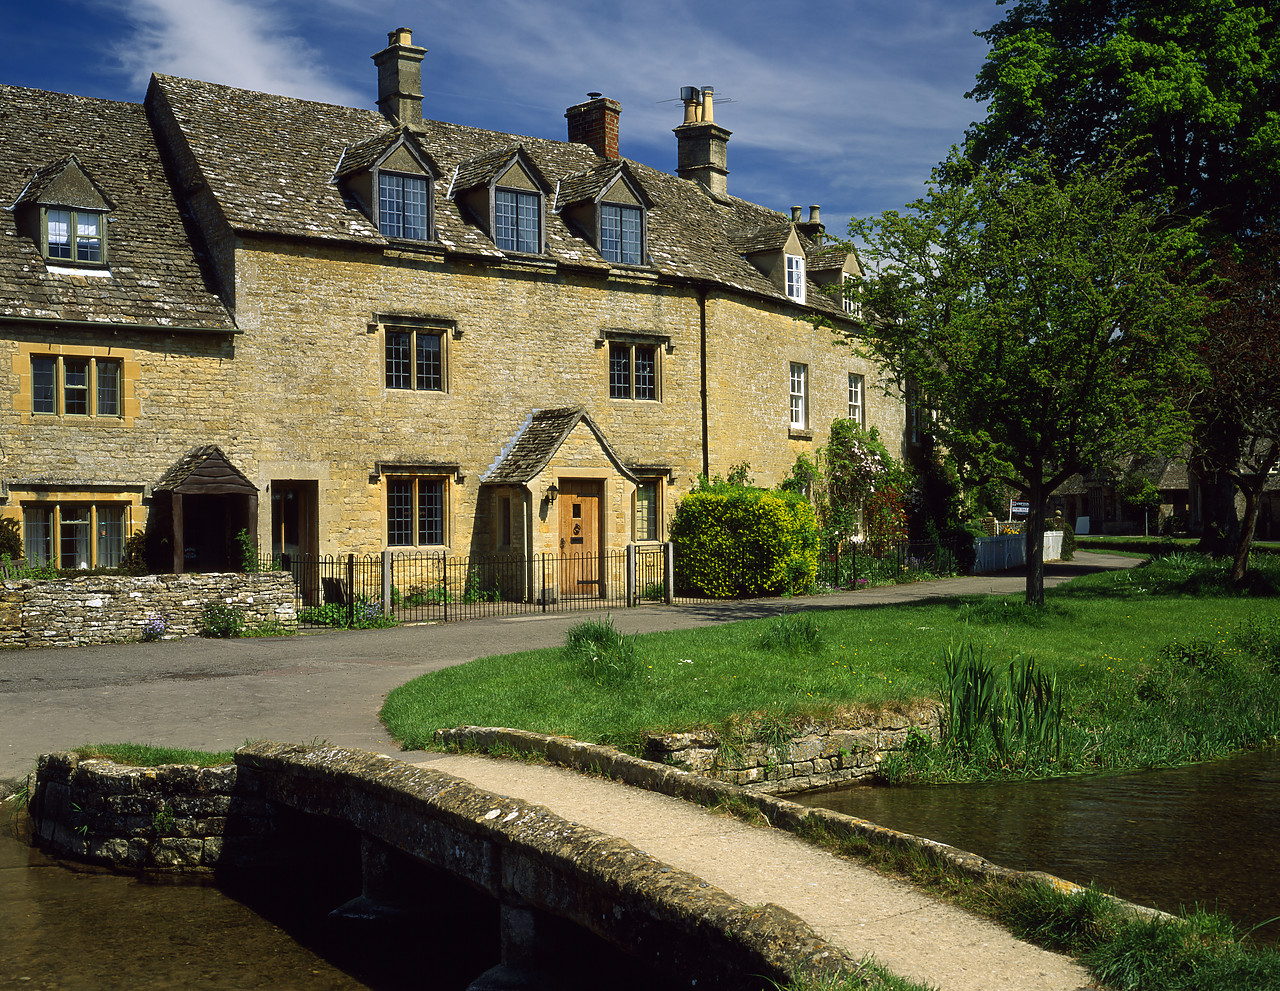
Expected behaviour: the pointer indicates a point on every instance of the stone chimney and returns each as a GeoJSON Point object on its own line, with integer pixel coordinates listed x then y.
{"type": "Point", "coordinates": [813, 228]}
{"type": "Point", "coordinates": [400, 78]}
{"type": "Point", "coordinates": [595, 123]}
{"type": "Point", "coordinates": [702, 146]}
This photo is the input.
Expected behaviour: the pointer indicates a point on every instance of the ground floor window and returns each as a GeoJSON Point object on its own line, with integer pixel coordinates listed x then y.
{"type": "Point", "coordinates": [646, 523]}
{"type": "Point", "coordinates": [415, 512]}
{"type": "Point", "coordinates": [74, 535]}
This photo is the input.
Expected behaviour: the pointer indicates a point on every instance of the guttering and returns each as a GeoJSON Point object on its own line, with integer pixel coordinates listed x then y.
{"type": "Point", "coordinates": [149, 328]}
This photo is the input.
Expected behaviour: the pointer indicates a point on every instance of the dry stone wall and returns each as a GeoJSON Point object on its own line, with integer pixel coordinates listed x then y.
{"type": "Point", "coordinates": [72, 612]}
{"type": "Point", "coordinates": [848, 748]}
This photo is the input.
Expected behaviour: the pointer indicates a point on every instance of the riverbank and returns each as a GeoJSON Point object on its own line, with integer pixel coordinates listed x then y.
{"type": "Point", "coordinates": [1160, 665]}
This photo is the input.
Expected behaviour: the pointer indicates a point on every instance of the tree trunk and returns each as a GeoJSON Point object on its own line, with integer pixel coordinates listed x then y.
{"type": "Point", "coordinates": [1034, 534]}
{"type": "Point", "coordinates": [1252, 504]}
{"type": "Point", "coordinates": [1220, 533]}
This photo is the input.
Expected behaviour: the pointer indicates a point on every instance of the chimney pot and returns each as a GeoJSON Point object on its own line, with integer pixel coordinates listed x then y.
{"type": "Point", "coordinates": [701, 144]}
{"type": "Point", "coordinates": [795, 215]}
{"type": "Point", "coordinates": [813, 214]}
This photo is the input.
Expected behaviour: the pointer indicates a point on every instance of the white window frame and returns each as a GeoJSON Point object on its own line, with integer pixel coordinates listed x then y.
{"type": "Point", "coordinates": [799, 414]}
{"type": "Point", "coordinates": [851, 303]}
{"type": "Point", "coordinates": [858, 399]}
{"type": "Point", "coordinates": [795, 277]}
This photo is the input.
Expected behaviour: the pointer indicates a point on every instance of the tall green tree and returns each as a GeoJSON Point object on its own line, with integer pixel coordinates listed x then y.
{"type": "Point", "coordinates": [1192, 86]}
{"type": "Point", "coordinates": [1041, 319]}
{"type": "Point", "coordinates": [1237, 411]}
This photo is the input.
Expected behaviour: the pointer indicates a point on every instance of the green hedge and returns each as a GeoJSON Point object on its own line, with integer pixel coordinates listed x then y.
{"type": "Point", "coordinates": [733, 541]}
{"type": "Point", "coordinates": [1157, 546]}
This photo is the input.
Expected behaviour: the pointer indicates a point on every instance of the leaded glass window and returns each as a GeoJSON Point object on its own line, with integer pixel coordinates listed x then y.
{"type": "Point", "coordinates": [620, 233]}
{"type": "Point", "coordinates": [517, 221]}
{"type": "Point", "coordinates": [404, 206]}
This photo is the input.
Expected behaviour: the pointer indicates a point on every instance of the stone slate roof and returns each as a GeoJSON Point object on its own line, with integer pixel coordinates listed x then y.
{"type": "Point", "coordinates": [270, 160]}
{"type": "Point", "coordinates": [204, 469]}
{"type": "Point", "coordinates": [50, 174]}
{"type": "Point", "coordinates": [536, 442]}
{"type": "Point", "coordinates": [769, 237]}
{"type": "Point", "coordinates": [155, 274]}
{"type": "Point", "coordinates": [360, 156]}
{"type": "Point", "coordinates": [588, 185]}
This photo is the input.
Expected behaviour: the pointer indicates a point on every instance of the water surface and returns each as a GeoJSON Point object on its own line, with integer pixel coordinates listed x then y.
{"type": "Point", "coordinates": [1205, 835]}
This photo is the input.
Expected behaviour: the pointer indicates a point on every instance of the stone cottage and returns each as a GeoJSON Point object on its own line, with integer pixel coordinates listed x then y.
{"type": "Point", "coordinates": [347, 330]}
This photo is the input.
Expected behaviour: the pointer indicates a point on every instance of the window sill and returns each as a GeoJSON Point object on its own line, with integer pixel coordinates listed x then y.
{"type": "Point", "coordinates": [799, 433]}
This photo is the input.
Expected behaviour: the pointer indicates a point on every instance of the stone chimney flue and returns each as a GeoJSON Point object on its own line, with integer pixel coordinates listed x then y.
{"type": "Point", "coordinates": [702, 146]}
{"type": "Point", "coordinates": [813, 228]}
{"type": "Point", "coordinates": [400, 78]}
{"type": "Point", "coordinates": [595, 123]}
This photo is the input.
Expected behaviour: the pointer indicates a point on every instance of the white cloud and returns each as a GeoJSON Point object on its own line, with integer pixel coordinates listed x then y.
{"type": "Point", "coordinates": [253, 45]}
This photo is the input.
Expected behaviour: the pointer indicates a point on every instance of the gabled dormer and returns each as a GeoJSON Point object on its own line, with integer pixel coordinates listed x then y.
{"type": "Point", "coordinates": [506, 194]}
{"type": "Point", "coordinates": [65, 212]}
{"type": "Point", "coordinates": [834, 270]}
{"type": "Point", "coordinates": [777, 252]}
{"type": "Point", "coordinates": [393, 180]}
{"type": "Point", "coordinates": [609, 206]}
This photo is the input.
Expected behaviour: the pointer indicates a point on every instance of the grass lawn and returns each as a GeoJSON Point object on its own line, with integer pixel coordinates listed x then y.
{"type": "Point", "coordinates": [1160, 665]}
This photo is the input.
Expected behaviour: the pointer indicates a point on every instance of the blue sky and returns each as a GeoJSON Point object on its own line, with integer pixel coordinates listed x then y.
{"type": "Point", "coordinates": [843, 103]}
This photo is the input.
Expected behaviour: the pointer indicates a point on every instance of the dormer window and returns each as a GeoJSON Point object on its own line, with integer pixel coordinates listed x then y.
{"type": "Point", "coordinates": [503, 191]}
{"type": "Point", "coordinates": [65, 211]}
{"type": "Point", "coordinates": [620, 233]}
{"type": "Point", "coordinates": [795, 277]}
{"type": "Point", "coordinates": [517, 220]}
{"type": "Point", "coordinates": [404, 206]}
{"type": "Point", "coordinates": [74, 235]}
{"type": "Point", "coordinates": [391, 179]}
{"type": "Point", "coordinates": [605, 206]}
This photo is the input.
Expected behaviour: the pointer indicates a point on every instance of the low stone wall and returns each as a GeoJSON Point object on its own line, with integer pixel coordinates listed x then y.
{"type": "Point", "coordinates": [69, 612]}
{"type": "Point", "coordinates": [846, 749]}
{"type": "Point", "coordinates": [170, 818]}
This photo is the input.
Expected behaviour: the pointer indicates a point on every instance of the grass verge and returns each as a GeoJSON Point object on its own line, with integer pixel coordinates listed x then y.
{"type": "Point", "coordinates": [1161, 665]}
{"type": "Point", "coordinates": [145, 755]}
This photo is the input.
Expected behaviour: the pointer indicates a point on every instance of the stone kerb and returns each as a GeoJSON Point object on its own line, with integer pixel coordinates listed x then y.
{"type": "Point", "coordinates": [69, 612]}
{"type": "Point", "coordinates": [846, 749]}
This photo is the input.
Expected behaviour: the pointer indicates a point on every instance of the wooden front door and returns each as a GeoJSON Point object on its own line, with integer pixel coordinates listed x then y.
{"type": "Point", "coordinates": [579, 509]}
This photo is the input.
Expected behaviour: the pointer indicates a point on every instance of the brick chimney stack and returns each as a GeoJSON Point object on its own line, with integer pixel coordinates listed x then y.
{"type": "Point", "coordinates": [702, 146]}
{"type": "Point", "coordinates": [400, 78]}
{"type": "Point", "coordinates": [595, 123]}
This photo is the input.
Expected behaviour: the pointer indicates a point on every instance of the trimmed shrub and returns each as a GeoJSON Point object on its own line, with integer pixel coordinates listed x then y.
{"type": "Point", "coordinates": [734, 541]}
{"type": "Point", "coordinates": [11, 539]}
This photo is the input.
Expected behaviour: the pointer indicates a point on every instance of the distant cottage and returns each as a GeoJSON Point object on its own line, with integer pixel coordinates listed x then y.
{"type": "Point", "coordinates": [345, 331]}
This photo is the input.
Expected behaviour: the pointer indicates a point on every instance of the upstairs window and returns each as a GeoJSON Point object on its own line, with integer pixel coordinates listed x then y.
{"type": "Point", "coordinates": [415, 359]}
{"type": "Point", "coordinates": [799, 395]}
{"type": "Point", "coordinates": [518, 221]}
{"type": "Point", "coordinates": [795, 277]}
{"type": "Point", "coordinates": [620, 233]}
{"type": "Point", "coordinates": [75, 236]}
{"type": "Point", "coordinates": [857, 411]}
{"type": "Point", "coordinates": [404, 206]}
{"type": "Point", "coordinates": [75, 386]}
{"type": "Point", "coordinates": [633, 371]}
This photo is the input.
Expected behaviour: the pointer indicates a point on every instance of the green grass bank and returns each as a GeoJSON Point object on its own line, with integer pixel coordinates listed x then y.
{"type": "Point", "coordinates": [1160, 665]}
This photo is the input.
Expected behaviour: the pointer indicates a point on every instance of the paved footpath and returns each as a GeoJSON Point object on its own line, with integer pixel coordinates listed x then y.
{"type": "Point", "coordinates": [216, 694]}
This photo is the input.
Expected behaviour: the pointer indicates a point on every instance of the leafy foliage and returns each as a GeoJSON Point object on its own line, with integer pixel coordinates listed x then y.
{"type": "Point", "coordinates": [732, 541]}
{"type": "Point", "coordinates": [221, 620]}
{"type": "Point", "coordinates": [10, 538]}
{"type": "Point", "coordinates": [1066, 300]}
{"type": "Point", "coordinates": [1190, 86]}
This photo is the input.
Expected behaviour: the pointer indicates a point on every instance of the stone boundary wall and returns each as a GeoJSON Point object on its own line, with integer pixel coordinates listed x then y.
{"type": "Point", "coordinates": [170, 818]}
{"type": "Point", "coordinates": [846, 749]}
{"type": "Point", "coordinates": [71, 612]}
